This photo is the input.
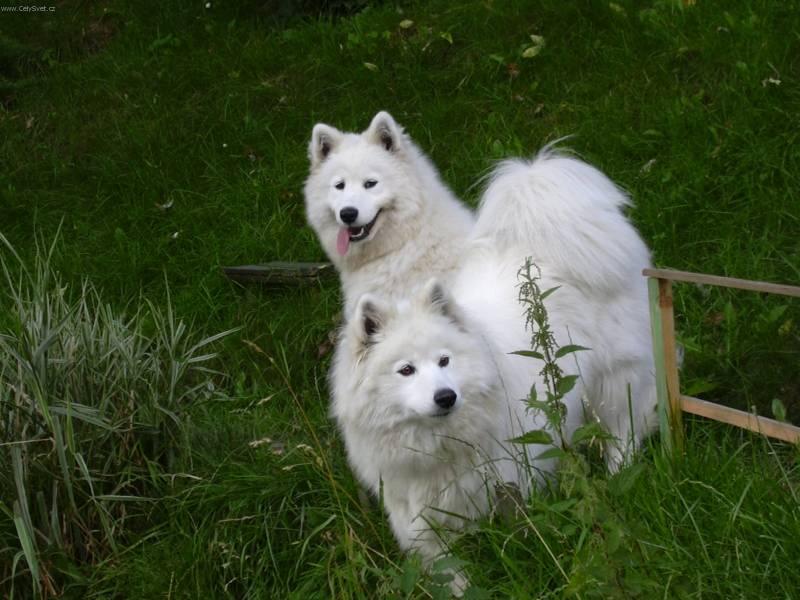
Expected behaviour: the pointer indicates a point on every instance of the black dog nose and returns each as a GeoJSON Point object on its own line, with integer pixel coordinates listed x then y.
{"type": "Point", "coordinates": [445, 398]}
{"type": "Point", "coordinates": [348, 214]}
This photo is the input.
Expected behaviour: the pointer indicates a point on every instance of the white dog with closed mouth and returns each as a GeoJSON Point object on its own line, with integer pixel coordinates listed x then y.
{"type": "Point", "coordinates": [426, 400]}
{"type": "Point", "coordinates": [380, 210]}
{"type": "Point", "coordinates": [423, 386]}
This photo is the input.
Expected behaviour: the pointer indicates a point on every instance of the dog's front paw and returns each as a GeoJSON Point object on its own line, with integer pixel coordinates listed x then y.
{"type": "Point", "coordinates": [459, 583]}
{"type": "Point", "coordinates": [449, 570]}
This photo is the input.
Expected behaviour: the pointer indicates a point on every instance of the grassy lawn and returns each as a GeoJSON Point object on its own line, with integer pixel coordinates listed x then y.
{"type": "Point", "coordinates": [158, 141]}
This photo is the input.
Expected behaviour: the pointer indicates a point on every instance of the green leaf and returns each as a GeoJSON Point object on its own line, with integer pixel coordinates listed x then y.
{"type": "Point", "coordinates": [531, 51]}
{"type": "Point", "coordinates": [699, 386]}
{"type": "Point", "coordinates": [546, 293]}
{"type": "Point", "coordinates": [408, 577]}
{"type": "Point", "coordinates": [562, 505]}
{"type": "Point", "coordinates": [532, 395]}
{"type": "Point", "coordinates": [786, 327]}
{"type": "Point", "coordinates": [448, 563]}
{"type": "Point", "coordinates": [538, 405]}
{"type": "Point", "coordinates": [529, 354]}
{"type": "Point", "coordinates": [476, 593]}
{"type": "Point", "coordinates": [537, 436]}
{"type": "Point", "coordinates": [26, 540]}
{"type": "Point", "coordinates": [556, 453]}
{"type": "Point", "coordinates": [82, 412]}
{"type": "Point", "coordinates": [778, 409]}
{"type": "Point", "coordinates": [441, 578]}
{"type": "Point", "coordinates": [440, 592]}
{"type": "Point", "coordinates": [623, 481]}
{"type": "Point", "coordinates": [447, 36]}
{"type": "Point", "coordinates": [614, 535]}
{"type": "Point", "coordinates": [588, 431]}
{"type": "Point", "coordinates": [566, 383]}
{"type": "Point", "coordinates": [569, 530]}
{"type": "Point", "coordinates": [568, 349]}
{"type": "Point", "coordinates": [537, 43]}
{"type": "Point", "coordinates": [617, 9]}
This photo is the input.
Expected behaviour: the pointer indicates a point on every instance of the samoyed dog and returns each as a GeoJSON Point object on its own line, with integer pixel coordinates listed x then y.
{"type": "Point", "coordinates": [427, 398]}
{"type": "Point", "coordinates": [380, 210]}
{"type": "Point", "coordinates": [424, 388]}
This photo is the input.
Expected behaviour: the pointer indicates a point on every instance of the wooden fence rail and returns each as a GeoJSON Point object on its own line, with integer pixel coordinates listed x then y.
{"type": "Point", "coordinates": [671, 403]}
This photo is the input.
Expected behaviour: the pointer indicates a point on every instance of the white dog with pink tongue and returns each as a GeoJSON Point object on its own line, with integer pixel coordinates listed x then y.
{"type": "Point", "coordinates": [381, 212]}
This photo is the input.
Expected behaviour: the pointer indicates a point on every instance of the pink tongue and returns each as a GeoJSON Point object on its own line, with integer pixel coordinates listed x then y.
{"type": "Point", "coordinates": [343, 241]}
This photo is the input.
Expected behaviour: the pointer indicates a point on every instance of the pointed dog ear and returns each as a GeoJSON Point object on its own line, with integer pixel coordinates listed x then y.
{"type": "Point", "coordinates": [385, 131]}
{"type": "Point", "coordinates": [435, 297]}
{"type": "Point", "coordinates": [369, 320]}
{"type": "Point", "coordinates": [324, 138]}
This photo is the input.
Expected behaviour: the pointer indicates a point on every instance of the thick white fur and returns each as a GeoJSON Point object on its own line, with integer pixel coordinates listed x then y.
{"type": "Point", "coordinates": [425, 464]}
{"type": "Point", "coordinates": [422, 228]}
{"type": "Point", "coordinates": [566, 216]}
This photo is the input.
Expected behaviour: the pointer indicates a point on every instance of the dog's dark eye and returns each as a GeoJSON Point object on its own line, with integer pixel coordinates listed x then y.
{"type": "Point", "coordinates": [407, 370]}
{"type": "Point", "coordinates": [370, 183]}
{"type": "Point", "coordinates": [444, 361]}
{"type": "Point", "coordinates": [340, 185]}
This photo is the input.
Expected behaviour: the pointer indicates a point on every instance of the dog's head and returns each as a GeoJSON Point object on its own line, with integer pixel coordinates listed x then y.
{"type": "Point", "coordinates": [360, 187]}
{"type": "Point", "coordinates": [416, 363]}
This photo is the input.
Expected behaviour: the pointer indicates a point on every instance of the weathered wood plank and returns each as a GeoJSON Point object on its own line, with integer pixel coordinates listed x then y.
{"type": "Point", "coordinates": [740, 418]}
{"type": "Point", "coordinates": [280, 273]}
{"type": "Point", "coordinates": [665, 304]}
{"type": "Point", "coordinates": [729, 282]}
{"type": "Point", "coordinates": [656, 324]}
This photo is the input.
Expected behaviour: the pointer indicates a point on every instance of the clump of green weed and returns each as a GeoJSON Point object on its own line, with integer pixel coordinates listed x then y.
{"type": "Point", "coordinates": [91, 409]}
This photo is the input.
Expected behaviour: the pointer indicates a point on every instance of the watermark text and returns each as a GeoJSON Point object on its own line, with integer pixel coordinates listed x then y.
{"type": "Point", "coordinates": [27, 8]}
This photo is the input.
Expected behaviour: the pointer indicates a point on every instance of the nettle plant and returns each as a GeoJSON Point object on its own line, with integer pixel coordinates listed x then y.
{"type": "Point", "coordinates": [581, 522]}
{"type": "Point", "coordinates": [557, 384]}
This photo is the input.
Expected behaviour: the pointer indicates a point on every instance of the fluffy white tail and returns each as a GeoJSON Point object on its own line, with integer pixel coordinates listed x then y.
{"type": "Point", "coordinates": [566, 215]}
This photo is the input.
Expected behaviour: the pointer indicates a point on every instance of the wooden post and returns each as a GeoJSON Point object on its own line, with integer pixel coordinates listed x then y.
{"type": "Point", "coordinates": [667, 388]}
{"type": "Point", "coordinates": [671, 362]}
{"type": "Point", "coordinates": [658, 360]}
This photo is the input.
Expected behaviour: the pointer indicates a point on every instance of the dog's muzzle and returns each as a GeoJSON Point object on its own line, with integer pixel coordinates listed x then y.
{"type": "Point", "coordinates": [360, 233]}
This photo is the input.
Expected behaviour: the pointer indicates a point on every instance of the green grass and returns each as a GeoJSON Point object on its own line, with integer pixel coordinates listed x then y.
{"type": "Point", "coordinates": [167, 139]}
{"type": "Point", "coordinates": [92, 411]}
